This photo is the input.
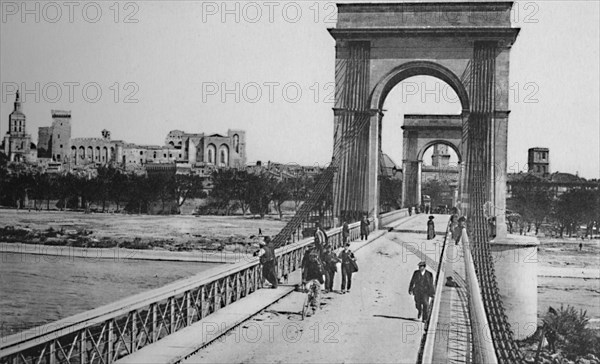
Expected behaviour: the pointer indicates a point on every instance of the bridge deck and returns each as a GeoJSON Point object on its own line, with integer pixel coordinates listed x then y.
{"type": "Point", "coordinates": [375, 322]}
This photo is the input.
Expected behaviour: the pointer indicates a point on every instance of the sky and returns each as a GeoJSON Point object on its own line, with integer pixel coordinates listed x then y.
{"type": "Point", "coordinates": [143, 68]}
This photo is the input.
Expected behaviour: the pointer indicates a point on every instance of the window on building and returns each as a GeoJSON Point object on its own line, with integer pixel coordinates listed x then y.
{"type": "Point", "coordinates": [236, 143]}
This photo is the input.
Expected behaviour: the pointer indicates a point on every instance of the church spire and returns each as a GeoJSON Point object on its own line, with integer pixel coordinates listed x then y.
{"type": "Point", "coordinates": [18, 102]}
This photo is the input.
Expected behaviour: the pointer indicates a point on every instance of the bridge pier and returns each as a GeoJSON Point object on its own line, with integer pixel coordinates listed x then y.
{"type": "Point", "coordinates": [515, 263]}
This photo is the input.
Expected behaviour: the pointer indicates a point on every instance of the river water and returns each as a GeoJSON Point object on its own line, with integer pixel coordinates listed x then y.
{"type": "Point", "coordinates": [39, 289]}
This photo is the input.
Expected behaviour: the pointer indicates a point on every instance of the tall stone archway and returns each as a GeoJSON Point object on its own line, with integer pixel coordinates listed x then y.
{"type": "Point", "coordinates": [466, 45]}
{"type": "Point", "coordinates": [420, 133]}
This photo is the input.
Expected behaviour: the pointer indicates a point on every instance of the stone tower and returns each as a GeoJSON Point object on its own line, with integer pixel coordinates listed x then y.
{"type": "Point", "coordinates": [17, 143]}
{"type": "Point", "coordinates": [61, 135]}
{"type": "Point", "coordinates": [538, 161]}
{"type": "Point", "coordinates": [440, 156]}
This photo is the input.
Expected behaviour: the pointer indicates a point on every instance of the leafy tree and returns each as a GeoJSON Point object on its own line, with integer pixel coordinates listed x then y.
{"type": "Point", "coordinates": [574, 207]}
{"type": "Point", "coordinates": [298, 186]}
{"type": "Point", "coordinates": [140, 193]}
{"type": "Point", "coordinates": [188, 186]}
{"type": "Point", "coordinates": [224, 188]}
{"type": "Point", "coordinates": [260, 188]}
{"type": "Point", "coordinates": [436, 189]}
{"type": "Point", "coordinates": [281, 192]}
{"type": "Point", "coordinates": [162, 187]}
{"type": "Point", "coordinates": [119, 187]}
{"type": "Point", "coordinates": [391, 193]}
{"type": "Point", "coordinates": [104, 182]}
{"type": "Point", "coordinates": [574, 337]}
{"type": "Point", "coordinates": [533, 201]}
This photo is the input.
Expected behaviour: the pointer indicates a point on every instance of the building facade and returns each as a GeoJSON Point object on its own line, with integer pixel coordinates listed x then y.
{"type": "Point", "coordinates": [193, 152]}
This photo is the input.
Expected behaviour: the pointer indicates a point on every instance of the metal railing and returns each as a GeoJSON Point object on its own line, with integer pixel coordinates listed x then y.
{"type": "Point", "coordinates": [432, 323]}
{"type": "Point", "coordinates": [483, 346]}
{"type": "Point", "coordinates": [110, 332]}
{"type": "Point", "coordinates": [388, 217]}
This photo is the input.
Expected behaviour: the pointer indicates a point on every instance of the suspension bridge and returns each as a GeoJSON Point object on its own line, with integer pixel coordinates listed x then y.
{"type": "Point", "coordinates": [465, 44]}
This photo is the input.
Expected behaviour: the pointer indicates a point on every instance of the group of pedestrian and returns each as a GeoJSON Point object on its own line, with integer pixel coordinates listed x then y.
{"type": "Point", "coordinates": [326, 263]}
{"type": "Point", "coordinates": [319, 264]}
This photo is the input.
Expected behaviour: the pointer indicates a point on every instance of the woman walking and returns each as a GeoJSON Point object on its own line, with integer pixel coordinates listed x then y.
{"type": "Point", "coordinates": [430, 228]}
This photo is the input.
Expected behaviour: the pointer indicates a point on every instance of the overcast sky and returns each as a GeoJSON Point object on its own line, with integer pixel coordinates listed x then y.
{"type": "Point", "coordinates": [164, 65]}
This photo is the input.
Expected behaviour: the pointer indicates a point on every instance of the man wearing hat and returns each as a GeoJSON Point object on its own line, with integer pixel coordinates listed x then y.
{"type": "Point", "coordinates": [268, 261]}
{"type": "Point", "coordinates": [421, 285]}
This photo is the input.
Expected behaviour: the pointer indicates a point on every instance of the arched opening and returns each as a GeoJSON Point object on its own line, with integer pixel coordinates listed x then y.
{"type": "Point", "coordinates": [74, 154]}
{"type": "Point", "coordinates": [90, 153]}
{"type": "Point", "coordinates": [211, 152]}
{"type": "Point", "coordinates": [97, 154]}
{"type": "Point", "coordinates": [82, 153]}
{"type": "Point", "coordinates": [223, 155]}
{"type": "Point", "coordinates": [418, 103]}
{"type": "Point", "coordinates": [236, 143]}
{"type": "Point", "coordinates": [440, 176]}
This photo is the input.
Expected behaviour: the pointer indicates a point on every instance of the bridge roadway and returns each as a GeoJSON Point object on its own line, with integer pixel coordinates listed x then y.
{"type": "Point", "coordinates": [375, 322]}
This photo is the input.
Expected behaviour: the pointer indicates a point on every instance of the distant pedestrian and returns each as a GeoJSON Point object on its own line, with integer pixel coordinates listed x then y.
{"type": "Point", "coordinates": [345, 231]}
{"type": "Point", "coordinates": [580, 246]}
{"type": "Point", "coordinates": [430, 228]}
{"type": "Point", "coordinates": [458, 231]}
{"type": "Point", "coordinates": [348, 267]}
{"type": "Point", "coordinates": [421, 286]}
{"type": "Point", "coordinates": [268, 261]}
{"type": "Point", "coordinates": [330, 261]}
{"type": "Point", "coordinates": [409, 210]}
{"type": "Point", "coordinates": [364, 228]}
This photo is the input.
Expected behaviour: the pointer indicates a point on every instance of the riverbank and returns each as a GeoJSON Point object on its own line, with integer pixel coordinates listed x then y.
{"type": "Point", "coordinates": [568, 275]}
{"type": "Point", "coordinates": [206, 238]}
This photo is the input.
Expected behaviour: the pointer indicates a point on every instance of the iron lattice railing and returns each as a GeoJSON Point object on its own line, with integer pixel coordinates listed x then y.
{"type": "Point", "coordinates": [105, 334]}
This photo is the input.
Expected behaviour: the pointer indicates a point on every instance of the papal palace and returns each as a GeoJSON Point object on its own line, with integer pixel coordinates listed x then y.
{"type": "Point", "coordinates": [57, 150]}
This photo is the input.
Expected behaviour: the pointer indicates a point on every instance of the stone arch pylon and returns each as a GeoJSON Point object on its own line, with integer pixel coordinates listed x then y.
{"type": "Point", "coordinates": [378, 46]}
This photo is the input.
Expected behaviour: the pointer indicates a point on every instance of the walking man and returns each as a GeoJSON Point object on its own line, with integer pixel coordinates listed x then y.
{"type": "Point", "coordinates": [345, 231]}
{"type": "Point", "coordinates": [268, 261]}
{"type": "Point", "coordinates": [330, 261]}
{"type": "Point", "coordinates": [457, 233]}
{"type": "Point", "coordinates": [421, 286]}
{"type": "Point", "coordinates": [364, 228]}
{"type": "Point", "coordinates": [321, 239]}
{"type": "Point", "coordinates": [312, 276]}
{"type": "Point", "coordinates": [348, 261]}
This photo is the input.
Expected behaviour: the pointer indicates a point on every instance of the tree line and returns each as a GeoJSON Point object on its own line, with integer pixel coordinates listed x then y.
{"type": "Point", "coordinates": [233, 191]}
{"type": "Point", "coordinates": [239, 190]}
{"type": "Point", "coordinates": [27, 186]}
{"type": "Point", "coordinates": [537, 204]}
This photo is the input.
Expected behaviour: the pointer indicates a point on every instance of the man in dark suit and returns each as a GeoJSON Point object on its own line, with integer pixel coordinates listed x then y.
{"type": "Point", "coordinates": [421, 285]}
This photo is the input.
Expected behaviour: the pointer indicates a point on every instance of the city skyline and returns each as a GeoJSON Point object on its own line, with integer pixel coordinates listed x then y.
{"type": "Point", "coordinates": [190, 70]}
